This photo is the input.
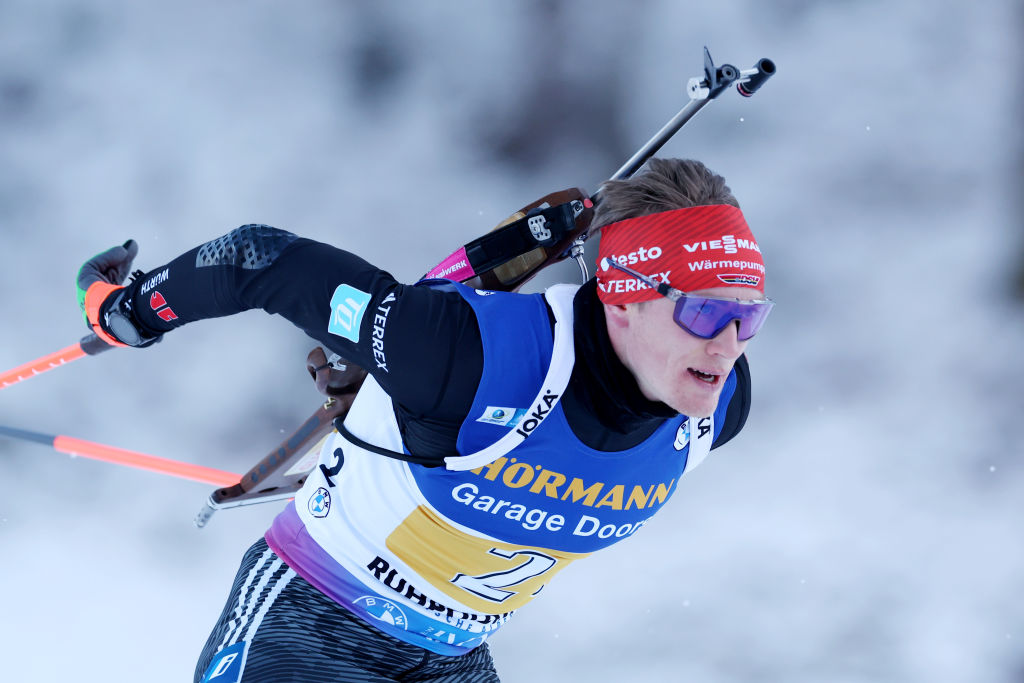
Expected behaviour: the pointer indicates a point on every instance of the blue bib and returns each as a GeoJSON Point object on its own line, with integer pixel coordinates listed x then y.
{"type": "Point", "coordinates": [552, 491]}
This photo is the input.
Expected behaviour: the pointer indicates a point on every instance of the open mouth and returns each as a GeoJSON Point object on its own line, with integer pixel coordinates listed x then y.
{"type": "Point", "coordinates": [705, 377]}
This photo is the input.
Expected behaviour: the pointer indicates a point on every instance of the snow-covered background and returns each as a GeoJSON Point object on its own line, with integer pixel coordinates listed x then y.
{"type": "Point", "coordinates": [868, 525]}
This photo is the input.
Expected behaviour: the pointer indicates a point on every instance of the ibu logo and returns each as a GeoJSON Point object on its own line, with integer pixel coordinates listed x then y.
{"type": "Point", "coordinates": [502, 416]}
{"type": "Point", "coordinates": [347, 307]}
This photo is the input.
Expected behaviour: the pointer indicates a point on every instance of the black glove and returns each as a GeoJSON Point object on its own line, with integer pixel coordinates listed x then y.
{"type": "Point", "coordinates": [102, 298]}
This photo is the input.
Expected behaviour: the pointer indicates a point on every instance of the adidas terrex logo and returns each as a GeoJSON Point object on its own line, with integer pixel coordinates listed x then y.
{"type": "Point", "coordinates": [540, 411]}
{"type": "Point", "coordinates": [380, 320]}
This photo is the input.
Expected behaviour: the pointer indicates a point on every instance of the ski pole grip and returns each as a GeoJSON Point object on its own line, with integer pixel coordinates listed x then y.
{"type": "Point", "coordinates": [763, 70]}
{"type": "Point", "coordinates": [91, 345]}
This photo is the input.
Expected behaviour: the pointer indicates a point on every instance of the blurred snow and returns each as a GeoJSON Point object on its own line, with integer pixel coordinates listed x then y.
{"type": "Point", "coordinates": [867, 524]}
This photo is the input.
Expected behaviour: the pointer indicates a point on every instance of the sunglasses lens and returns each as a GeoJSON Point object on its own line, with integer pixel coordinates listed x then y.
{"type": "Point", "coordinates": [705, 318]}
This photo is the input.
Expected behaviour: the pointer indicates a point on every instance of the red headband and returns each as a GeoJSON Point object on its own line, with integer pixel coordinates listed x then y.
{"type": "Point", "coordinates": [699, 247]}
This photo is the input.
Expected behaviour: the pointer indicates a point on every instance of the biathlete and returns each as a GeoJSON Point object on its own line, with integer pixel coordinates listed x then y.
{"type": "Point", "coordinates": [498, 438]}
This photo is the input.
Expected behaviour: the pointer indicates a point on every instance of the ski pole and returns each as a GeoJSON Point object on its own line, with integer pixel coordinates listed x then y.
{"type": "Point", "coordinates": [89, 345]}
{"type": "Point", "coordinates": [121, 456]}
{"type": "Point", "coordinates": [701, 91]}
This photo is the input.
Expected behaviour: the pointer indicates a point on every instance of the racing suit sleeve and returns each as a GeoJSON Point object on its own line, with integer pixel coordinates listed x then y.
{"type": "Point", "coordinates": [422, 345]}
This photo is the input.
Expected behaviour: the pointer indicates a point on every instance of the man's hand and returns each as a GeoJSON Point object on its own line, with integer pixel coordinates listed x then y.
{"type": "Point", "coordinates": [101, 296]}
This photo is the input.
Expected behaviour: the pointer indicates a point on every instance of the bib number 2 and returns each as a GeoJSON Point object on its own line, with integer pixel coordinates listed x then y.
{"type": "Point", "coordinates": [490, 586]}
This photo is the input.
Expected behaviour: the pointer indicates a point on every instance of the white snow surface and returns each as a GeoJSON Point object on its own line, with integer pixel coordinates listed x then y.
{"type": "Point", "coordinates": [866, 525]}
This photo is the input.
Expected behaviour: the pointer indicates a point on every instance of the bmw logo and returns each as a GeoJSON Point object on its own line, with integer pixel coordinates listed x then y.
{"type": "Point", "coordinates": [320, 503]}
{"type": "Point", "coordinates": [384, 610]}
{"type": "Point", "coordinates": [682, 435]}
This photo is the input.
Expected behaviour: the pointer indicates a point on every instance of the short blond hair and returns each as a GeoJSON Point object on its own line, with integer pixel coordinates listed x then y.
{"type": "Point", "coordinates": [661, 185]}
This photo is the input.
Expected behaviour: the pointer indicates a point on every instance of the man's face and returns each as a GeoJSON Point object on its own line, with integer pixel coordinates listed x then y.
{"type": "Point", "coordinates": [671, 365]}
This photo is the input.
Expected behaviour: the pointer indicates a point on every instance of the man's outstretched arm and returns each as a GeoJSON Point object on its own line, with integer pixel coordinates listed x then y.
{"type": "Point", "coordinates": [420, 344]}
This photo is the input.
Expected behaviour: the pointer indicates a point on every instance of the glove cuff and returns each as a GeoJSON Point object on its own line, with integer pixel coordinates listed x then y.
{"type": "Point", "coordinates": [109, 316]}
{"type": "Point", "coordinates": [94, 298]}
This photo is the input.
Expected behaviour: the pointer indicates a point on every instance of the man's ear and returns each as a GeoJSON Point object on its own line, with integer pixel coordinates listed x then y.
{"type": "Point", "coordinates": [616, 315]}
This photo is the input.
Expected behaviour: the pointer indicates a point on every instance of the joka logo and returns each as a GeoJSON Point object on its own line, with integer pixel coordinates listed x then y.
{"type": "Point", "coordinates": [540, 411]}
{"type": "Point", "coordinates": [703, 427]}
{"type": "Point", "coordinates": [538, 228]}
{"type": "Point", "coordinates": [320, 503]}
{"type": "Point", "coordinates": [347, 307]}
